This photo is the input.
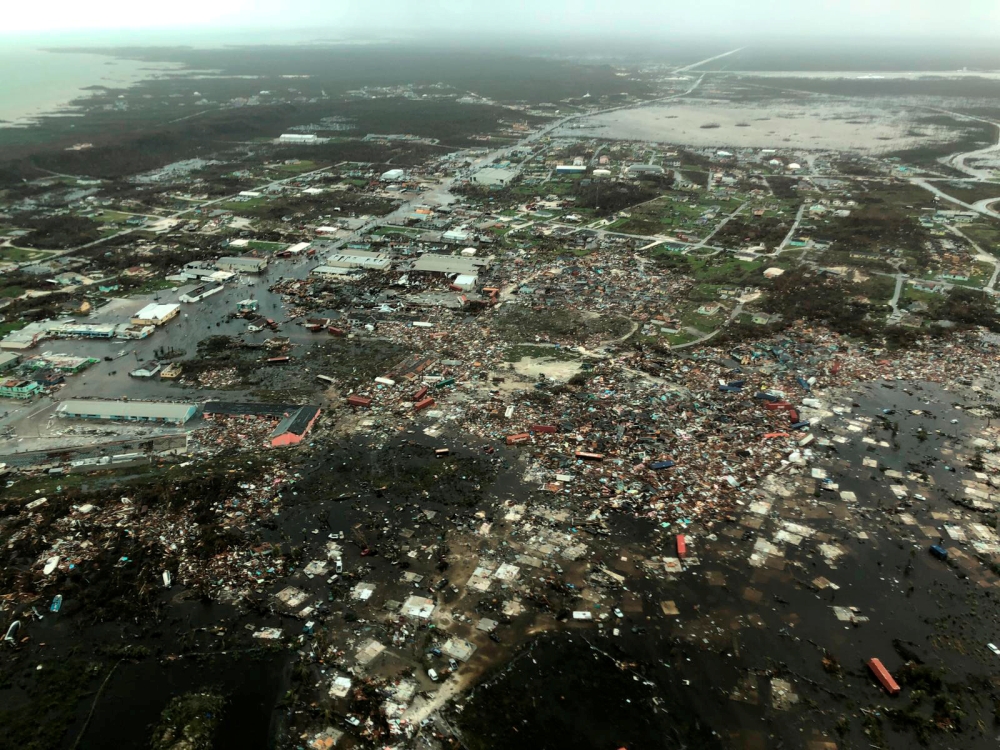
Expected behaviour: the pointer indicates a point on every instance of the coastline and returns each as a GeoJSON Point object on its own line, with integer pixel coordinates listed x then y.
{"type": "Point", "coordinates": [36, 83]}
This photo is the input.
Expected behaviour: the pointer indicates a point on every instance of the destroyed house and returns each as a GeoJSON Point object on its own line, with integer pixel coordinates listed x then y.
{"type": "Point", "coordinates": [243, 409]}
{"type": "Point", "coordinates": [295, 426]}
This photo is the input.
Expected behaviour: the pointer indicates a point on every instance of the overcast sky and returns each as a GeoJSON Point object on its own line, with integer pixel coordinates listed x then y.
{"type": "Point", "coordinates": [889, 18]}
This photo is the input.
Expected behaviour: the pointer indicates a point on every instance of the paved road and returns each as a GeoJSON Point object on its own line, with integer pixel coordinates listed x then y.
{"type": "Point", "coordinates": [709, 336]}
{"type": "Point", "coordinates": [926, 185]}
{"type": "Point", "coordinates": [711, 59]}
{"type": "Point", "coordinates": [982, 256]}
{"type": "Point", "coordinates": [794, 229]}
{"type": "Point", "coordinates": [719, 227]}
{"type": "Point", "coordinates": [894, 302]}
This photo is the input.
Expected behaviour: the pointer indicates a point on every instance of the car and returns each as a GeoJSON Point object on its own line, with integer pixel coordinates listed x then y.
{"type": "Point", "coordinates": [993, 647]}
{"type": "Point", "coordinates": [453, 665]}
{"type": "Point", "coordinates": [441, 584]}
{"type": "Point", "coordinates": [340, 565]}
{"type": "Point", "coordinates": [436, 651]}
{"type": "Point", "coordinates": [494, 637]}
{"type": "Point", "coordinates": [619, 613]}
{"type": "Point", "coordinates": [433, 675]}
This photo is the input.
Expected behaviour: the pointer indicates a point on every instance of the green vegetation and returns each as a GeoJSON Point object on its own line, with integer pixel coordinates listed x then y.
{"type": "Point", "coordinates": [59, 232]}
{"type": "Point", "coordinates": [21, 254]}
{"type": "Point", "coordinates": [518, 352]}
{"type": "Point", "coordinates": [966, 307]}
{"type": "Point", "coordinates": [741, 231]}
{"type": "Point", "coordinates": [558, 322]}
{"type": "Point", "coordinates": [188, 722]}
{"type": "Point", "coordinates": [970, 192]}
{"type": "Point", "coordinates": [15, 325]}
{"type": "Point", "coordinates": [270, 247]}
{"type": "Point", "coordinates": [696, 216]}
{"type": "Point", "coordinates": [53, 693]}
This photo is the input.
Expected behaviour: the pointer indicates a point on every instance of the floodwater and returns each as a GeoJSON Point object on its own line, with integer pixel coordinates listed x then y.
{"type": "Point", "coordinates": [878, 127]}
{"type": "Point", "coordinates": [132, 702]}
{"type": "Point", "coordinates": [742, 663]}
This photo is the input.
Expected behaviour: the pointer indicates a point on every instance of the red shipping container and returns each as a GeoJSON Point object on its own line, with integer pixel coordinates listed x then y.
{"type": "Point", "coordinates": [423, 404]}
{"type": "Point", "coordinates": [548, 428]}
{"type": "Point", "coordinates": [359, 401]}
{"type": "Point", "coordinates": [793, 416]}
{"type": "Point", "coordinates": [883, 676]}
{"type": "Point", "coordinates": [419, 394]}
{"type": "Point", "coordinates": [590, 456]}
{"type": "Point", "coordinates": [681, 545]}
{"type": "Point", "coordinates": [521, 437]}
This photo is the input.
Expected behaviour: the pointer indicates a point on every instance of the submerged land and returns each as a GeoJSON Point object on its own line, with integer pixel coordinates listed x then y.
{"type": "Point", "coordinates": [392, 397]}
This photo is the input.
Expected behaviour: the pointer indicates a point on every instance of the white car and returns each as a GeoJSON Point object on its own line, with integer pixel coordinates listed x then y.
{"type": "Point", "coordinates": [340, 565]}
{"type": "Point", "coordinates": [992, 647]}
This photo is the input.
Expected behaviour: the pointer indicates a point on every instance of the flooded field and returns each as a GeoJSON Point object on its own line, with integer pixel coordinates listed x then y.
{"type": "Point", "coordinates": [876, 127]}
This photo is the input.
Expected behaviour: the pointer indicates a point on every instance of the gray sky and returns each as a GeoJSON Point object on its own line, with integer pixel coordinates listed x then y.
{"type": "Point", "coordinates": [744, 18]}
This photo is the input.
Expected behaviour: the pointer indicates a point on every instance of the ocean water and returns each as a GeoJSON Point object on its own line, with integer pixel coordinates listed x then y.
{"type": "Point", "coordinates": [35, 82]}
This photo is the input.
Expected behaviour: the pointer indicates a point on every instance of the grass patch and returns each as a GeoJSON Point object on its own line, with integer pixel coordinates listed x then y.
{"type": "Point", "coordinates": [270, 247]}
{"type": "Point", "coordinates": [529, 351]}
{"type": "Point", "coordinates": [14, 325]}
{"type": "Point", "coordinates": [22, 254]}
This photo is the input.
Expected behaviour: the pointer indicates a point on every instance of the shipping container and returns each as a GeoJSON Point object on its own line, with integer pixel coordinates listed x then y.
{"type": "Point", "coordinates": [546, 428]}
{"type": "Point", "coordinates": [660, 465]}
{"type": "Point", "coordinates": [883, 676]}
{"type": "Point", "coordinates": [586, 455]}
{"type": "Point", "coordinates": [681, 545]}
{"type": "Point", "coordinates": [359, 401]}
{"type": "Point", "coordinates": [420, 405]}
{"type": "Point", "coordinates": [939, 552]}
{"type": "Point", "coordinates": [521, 437]}
{"type": "Point", "coordinates": [419, 394]}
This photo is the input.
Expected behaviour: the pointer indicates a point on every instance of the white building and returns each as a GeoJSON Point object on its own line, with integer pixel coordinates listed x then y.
{"type": "Point", "coordinates": [297, 138]}
{"type": "Point", "coordinates": [393, 175]}
{"type": "Point", "coordinates": [155, 314]}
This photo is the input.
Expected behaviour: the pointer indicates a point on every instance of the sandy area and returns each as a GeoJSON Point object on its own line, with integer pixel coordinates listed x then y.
{"type": "Point", "coordinates": [833, 125]}
{"type": "Point", "coordinates": [553, 369]}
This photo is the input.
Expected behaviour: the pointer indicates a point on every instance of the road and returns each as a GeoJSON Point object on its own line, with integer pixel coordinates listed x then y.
{"type": "Point", "coordinates": [982, 256]}
{"type": "Point", "coordinates": [926, 185]}
{"type": "Point", "coordinates": [894, 302]}
{"type": "Point", "coordinates": [719, 227]}
{"type": "Point", "coordinates": [709, 336]}
{"type": "Point", "coordinates": [794, 229]}
{"type": "Point", "coordinates": [711, 59]}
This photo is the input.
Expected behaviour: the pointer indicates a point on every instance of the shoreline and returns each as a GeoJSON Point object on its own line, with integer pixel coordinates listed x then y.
{"type": "Point", "coordinates": [43, 83]}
